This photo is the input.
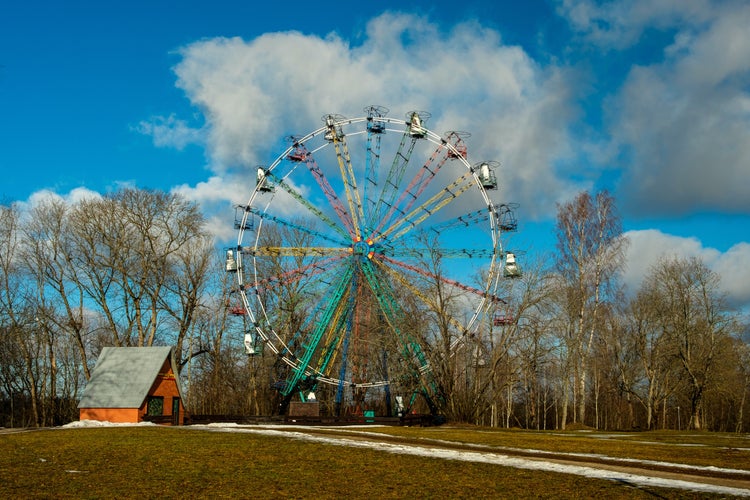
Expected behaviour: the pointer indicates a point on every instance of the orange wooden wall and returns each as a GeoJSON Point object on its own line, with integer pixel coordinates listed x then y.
{"type": "Point", "coordinates": [118, 415]}
{"type": "Point", "coordinates": [165, 386]}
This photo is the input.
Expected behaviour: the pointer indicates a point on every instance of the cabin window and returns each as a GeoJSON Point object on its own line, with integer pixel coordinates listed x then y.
{"type": "Point", "coordinates": [155, 405]}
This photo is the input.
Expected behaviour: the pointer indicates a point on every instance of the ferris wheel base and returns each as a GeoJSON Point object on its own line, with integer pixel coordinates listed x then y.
{"type": "Point", "coordinates": [309, 413]}
{"type": "Point", "coordinates": [410, 420]}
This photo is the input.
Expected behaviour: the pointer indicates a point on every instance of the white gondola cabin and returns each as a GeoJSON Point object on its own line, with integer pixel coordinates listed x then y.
{"type": "Point", "coordinates": [231, 265]}
{"type": "Point", "coordinates": [487, 176]}
{"type": "Point", "coordinates": [415, 126]}
{"type": "Point", "coordinates": [253, 347]}
{"type": "Point", "coordinates": [334, 131]}
{"type": "Point", "coordinates": [262, 181]}
{"type": "Point", "coordinates": [511, 269]}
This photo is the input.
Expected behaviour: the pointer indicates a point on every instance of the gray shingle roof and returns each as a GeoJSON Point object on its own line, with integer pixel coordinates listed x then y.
{"type": "Point", "coordinates": [123, 376]}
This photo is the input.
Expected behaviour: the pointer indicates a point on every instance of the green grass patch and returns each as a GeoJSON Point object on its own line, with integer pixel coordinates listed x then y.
{"type": "Point", "coordinates": [150, 462]}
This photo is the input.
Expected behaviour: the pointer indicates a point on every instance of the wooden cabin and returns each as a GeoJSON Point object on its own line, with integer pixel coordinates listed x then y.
{"type": "Point", "coordinates": [134, 384]}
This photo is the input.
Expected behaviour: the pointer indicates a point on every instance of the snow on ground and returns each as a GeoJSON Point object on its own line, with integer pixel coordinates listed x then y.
{"type": "Point", "coordinates": [491, 457]}
{"type": "Point", "coordinates": [485, 457]}
{"type": "Point", "coordinates": [595, 456]}
{"type": "Point", "coordinates": [99, 423]}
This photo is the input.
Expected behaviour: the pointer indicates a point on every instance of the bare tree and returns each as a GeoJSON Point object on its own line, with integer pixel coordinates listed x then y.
{"type": "Point", "coordinates": [643, 354]}
{"type": "Point", "coordinates": [743, 369]}
{"type": "Point", "coordinates": [49, 253]}
{"type": "Point", "coordinates": [142, 257]}
{"type": "Point", "coordinates": [17, 314]}
{"type": "Point", "coordinates": [532, 339]}
{"type": "Point", "coordinates": [590, 253]}
{"type": "Point", "coordinates": [694, 317]}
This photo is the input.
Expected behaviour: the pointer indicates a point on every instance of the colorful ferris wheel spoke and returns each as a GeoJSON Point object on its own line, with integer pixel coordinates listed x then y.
{"type": "Point", "coordinates": [409, 276]}
{"type": "Point", "coordinates": [404, 280]}
{"type": "Point", "coordinates": [310, 343]}
{"type": "Point", "coordinates": [336, 342]}
{"type": "Point", "coordinates": [390, 188]}
{"type": "Point", "coordinates": [375, 129]}
{"type": "Point", "coordinates": [302, 154]}
{"type": "Point", "coordinates": [415, 187]}
{"type": "Point", "coordinates": [463, 221]}
{"type": "Point", "coordinates": [298, 227]}
{"type": "Point", "coordinates": [422, 273]}
{"type": "Point", "coordinates": [346, 231]}
{"type": "Point", "coordinates": [410, 221]}
{"type": "Point", "coordinates": [347, 175]}
{"type": "Point", "coordinates": [448, 149]}
{"type": "Point", "coordinates": [293, 275]}
{"type": "Point", "coordinates": [410, 349]}
{"type": "Point", "coordinates": [282, 251]}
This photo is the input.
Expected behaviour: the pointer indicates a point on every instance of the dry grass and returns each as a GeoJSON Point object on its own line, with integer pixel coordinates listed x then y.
{"type": "Point", "coordinates": [150, 462]}
{"type": "Point", "coordinates": [694, 448]}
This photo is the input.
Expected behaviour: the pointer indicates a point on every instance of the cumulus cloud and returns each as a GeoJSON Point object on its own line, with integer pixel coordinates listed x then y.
{"type": "Point", "coordinates": [37, 198]}
{"type": "Point", "coordinates": [734, 268]}
{"type": "Point", "coordinates": [648, 246]}
{"type": "Point", "coordinates": [618, 25]}
{"type": "Point", "coordinates": [685, 123]}
{"type": "Point", "coordinates": [214, 190]}
{"type": "Point", "coordinates": [70, 198]}
{"type": "Point", "coordinates": [681, 122]}
{"type": "Point", "coordinates": [217, 196]}
{"type": "Point", "coordinates": [254, 93]}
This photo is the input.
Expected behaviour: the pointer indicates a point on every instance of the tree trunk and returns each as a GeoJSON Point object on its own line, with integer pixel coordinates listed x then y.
{"type": "Point", "coordinates": [695, 412]}
{"type": "Point", "coordinates": [582, 392]}
{"type": "Point", "coordinates": [565, 399]}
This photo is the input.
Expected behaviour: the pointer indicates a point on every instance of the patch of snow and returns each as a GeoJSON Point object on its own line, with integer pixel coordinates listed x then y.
{"type": "Point", "coordinates": [488, 457]}
{"type": "Point", "coordinates": [542, 453]}
{"type": "Point", "coordinates": [101, 423]}
{"type": "Point", "coordinates": [484, 454]}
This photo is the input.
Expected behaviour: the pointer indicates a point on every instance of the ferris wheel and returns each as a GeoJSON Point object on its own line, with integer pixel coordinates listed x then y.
{"type": "Point", "coordinates": [363, 244]}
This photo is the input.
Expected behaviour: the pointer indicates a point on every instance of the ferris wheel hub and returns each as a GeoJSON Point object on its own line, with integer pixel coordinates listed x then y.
{"type": "Point", "coordinates": [363, 248]}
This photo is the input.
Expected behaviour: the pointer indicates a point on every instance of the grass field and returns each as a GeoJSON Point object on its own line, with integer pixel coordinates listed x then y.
{"type": "Point", "coordinates": [163, 462]}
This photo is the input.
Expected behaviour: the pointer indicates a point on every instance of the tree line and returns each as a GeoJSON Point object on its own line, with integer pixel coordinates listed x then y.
{"type": "Point", "coordinates": [138, 268]}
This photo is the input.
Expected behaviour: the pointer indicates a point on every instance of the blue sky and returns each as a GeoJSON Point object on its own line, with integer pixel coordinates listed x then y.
{"type": "Point", "coordinates": [647, 98]}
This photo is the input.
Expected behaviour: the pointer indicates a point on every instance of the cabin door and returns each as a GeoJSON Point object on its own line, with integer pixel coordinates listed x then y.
{"type": "Point", "coordinates": [175, 411]}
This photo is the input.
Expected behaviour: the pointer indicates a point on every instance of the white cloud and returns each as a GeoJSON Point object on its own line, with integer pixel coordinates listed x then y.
{"type": "Point", "coordinates": [216, 197]}
{"type": "Point", "coordinates": [617, 24]}
{"type": "Point", "coordinates": [734, 268]}
{"type": "Point", "coordinates": [215, 189]}
{"type": "Point", "coordinates": [648, 246]}
{"type": "Point", "coordinates": [71, 198]}
{"type": "Point", "coordinates": [37, 198]}
{"type": "Point", "coordinates": [169, 132]}
{"type": "Point", "coordinates": [254, 93]}
{"type": "Point", "coordinates": [681, 123]}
